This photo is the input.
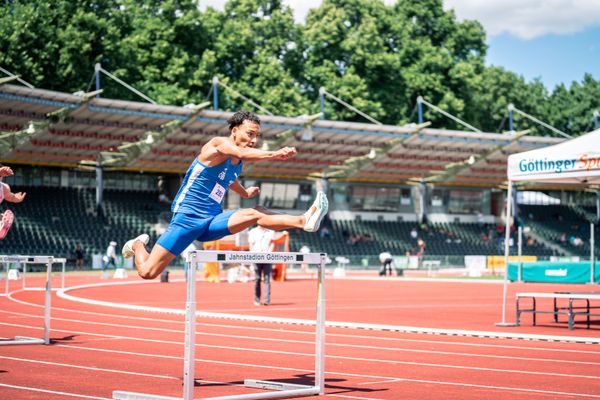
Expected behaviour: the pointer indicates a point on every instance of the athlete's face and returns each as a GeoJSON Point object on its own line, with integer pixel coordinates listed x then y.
{"type": "Point", "coordinates": [247, 134]}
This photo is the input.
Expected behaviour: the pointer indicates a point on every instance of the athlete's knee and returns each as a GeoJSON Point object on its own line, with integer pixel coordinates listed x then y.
{"type": "Point", "coordinates": [261, 209]}
{"type": "Point", "coordinates": [147, 275]}
{"type": "Point", "coordinates": [253, 214]}
{"type": "Point", "coordinates": [148, 271]}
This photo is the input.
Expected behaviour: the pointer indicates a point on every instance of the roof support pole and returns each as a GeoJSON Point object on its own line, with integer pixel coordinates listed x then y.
{"type": "Point", "coordinates": [99, 187]}
{"type": "Point", "coordinates": [506, 253]}
{"type": "Point", "coordinates": [422, 190]}
{"type": "Point", "coordinates": [510, 118]}
{"type": "Point", "coordinates": [598, 206]}
{"type": "Point", "coordinates": [420, 109]}
{"type": "Point", "coordinates": [215, 83]}
{"type": "Point", "coordinates": [596, 122]}
{"type": "Point", "coordinates": [592, 258]}
{"type": "Point", "coordinates": [322, 101]}
{"type": "Point", "coordinates": [97, 69]}
{"type": "Point", "coordinates": [515, 204]}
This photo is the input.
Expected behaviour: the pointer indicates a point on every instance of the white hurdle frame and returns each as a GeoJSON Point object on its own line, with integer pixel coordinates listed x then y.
{"type": "Point", "coordinates": [25, 260]}
{"type": "Point", "coordinates": [283, 390]}
{"type": "Point", "coordinates": [62, 278]}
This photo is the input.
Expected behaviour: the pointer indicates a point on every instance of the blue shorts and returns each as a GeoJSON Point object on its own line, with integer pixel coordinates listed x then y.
{"type": "Point", "coordinates": [185, 228]}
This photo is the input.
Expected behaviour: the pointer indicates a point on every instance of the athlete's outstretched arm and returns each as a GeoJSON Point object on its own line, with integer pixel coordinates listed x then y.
{"type": "Point", "coordinates": [10, 196]}
{"type": "Point", "coordinates": [246, 193]}
{"type": "Point", "coordinates": [226, 147]}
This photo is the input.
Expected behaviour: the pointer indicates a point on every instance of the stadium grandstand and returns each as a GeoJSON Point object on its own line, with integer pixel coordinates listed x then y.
{"type": "Point", "coordinates": [98, 169]}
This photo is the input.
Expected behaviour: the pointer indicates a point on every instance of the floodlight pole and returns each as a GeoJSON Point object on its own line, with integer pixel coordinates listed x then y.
{"type": "Point", "coordinates": [322, 101]}
{"type": "Point", "coordinates": [97, 69]}
{"type": "Point", "coordinates": [215, 83]}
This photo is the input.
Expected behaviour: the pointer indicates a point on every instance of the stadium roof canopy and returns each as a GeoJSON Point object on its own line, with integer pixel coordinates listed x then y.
{"type": "Point", "coordinates": [42, 127]}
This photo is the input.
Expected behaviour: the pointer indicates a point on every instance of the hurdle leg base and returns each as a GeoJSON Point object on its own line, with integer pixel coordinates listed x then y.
{"type": "Point", "coordinates": [21, 340]}
{"type": "Point", "coordinates": [122, 395]}
{"type": "Point", "coordinates": [283, 391]}
{"type": "Point", "coordinates": [272, 385]}
{"type": "Point", "coordinates": [505, 324]}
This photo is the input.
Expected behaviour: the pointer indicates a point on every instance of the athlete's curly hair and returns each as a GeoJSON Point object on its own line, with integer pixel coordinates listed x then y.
{"type": "Point", "coordinates": [239, 117]}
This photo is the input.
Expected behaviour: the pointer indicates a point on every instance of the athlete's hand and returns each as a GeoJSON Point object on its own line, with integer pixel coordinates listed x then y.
{"type": "Point", "coordinates": [285, 153]}
{"type": "Point", "coordinates": [18, 197]}
{"type": "Point", "coordinates": [252, 192]}
{"type": "Point", "coordinates": [6, 171]}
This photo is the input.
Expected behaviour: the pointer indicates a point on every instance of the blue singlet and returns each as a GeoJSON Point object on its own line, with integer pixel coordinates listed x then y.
{"type": "Point", "coordinates": [197, 210]}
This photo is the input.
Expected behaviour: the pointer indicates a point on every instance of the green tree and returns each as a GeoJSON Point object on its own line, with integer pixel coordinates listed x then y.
{"type": "Point", "coordinates": [381, 58]}
{"type": "Point", "coordinates": [159, 49]}
{"type": "Point", "coordinates": [572, 110]}
{"type": "Point", "coordinates": [254, 50]}
{"type": "Point", "coordinates": [54, 45]}
{"type": "Point", "coordinates": [495, 89]}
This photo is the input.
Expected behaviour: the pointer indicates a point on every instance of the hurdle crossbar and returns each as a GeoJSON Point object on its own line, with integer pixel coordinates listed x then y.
{"type": "Point", "coordinates": [279, 390]}
{"type": "Point", "coordinates": [25, 260]}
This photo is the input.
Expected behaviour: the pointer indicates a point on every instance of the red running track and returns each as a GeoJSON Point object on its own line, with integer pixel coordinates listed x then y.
{"type": "Point", "coordinates": [96, 350]}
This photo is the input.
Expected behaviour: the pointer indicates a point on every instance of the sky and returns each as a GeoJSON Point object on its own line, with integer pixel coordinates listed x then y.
{"type": "Point", "coordinates": [557, 41]}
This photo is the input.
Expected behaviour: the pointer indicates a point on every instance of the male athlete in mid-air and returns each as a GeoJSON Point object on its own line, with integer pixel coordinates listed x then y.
{"type": "Point", "coordinates": [7, 217]}
{"type": "Point", "coordinates": [197, 211]}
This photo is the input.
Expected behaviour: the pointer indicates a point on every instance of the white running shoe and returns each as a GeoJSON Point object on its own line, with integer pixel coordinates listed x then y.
{"type": "Point", "coordinates": [127, 250]}
{"type": "Point", "coordinates": [316, 212]}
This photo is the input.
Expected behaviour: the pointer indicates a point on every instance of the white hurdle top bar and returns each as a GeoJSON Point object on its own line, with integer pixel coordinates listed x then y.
{"type": "Point", "coordinates": [255, 258]}
{"type": "Point", "coordinates": [29, 259]}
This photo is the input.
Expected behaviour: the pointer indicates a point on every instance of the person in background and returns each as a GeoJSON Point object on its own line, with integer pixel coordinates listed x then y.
{"type": "Point", "coordinates": [78, 257]}
{"type": "Point", "coordinates": [110, 258]}
{"type": "Point", "coordinates": [386, 260]}
{"type": "Point", "coordinates": [261, 240]}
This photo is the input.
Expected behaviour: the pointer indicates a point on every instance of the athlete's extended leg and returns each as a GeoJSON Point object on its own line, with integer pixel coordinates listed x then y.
{"type": "Point", "coordinates": [309, 221]}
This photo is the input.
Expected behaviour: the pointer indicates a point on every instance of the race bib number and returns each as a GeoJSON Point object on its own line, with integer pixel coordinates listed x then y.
{"type": "Point", "coordinates": [217, 193]}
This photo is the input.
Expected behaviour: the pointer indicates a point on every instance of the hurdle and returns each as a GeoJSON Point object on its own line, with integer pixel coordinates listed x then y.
{"type": "Point", "coordinates": [63, 261]}
{"type": "Point", "coordinates": [25, 260]}
{"type": "Point", "coordinates": [278, 390]}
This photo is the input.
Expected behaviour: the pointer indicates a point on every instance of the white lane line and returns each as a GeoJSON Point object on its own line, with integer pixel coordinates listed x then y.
{"type": "Point", "coordinates": [329, 344]}
{"type": "Point", "coordinates": [334, 373]}
{"type": "Point", "coordinates": [379, 382]}
{"type": "Point", "coordinates": [332, 324]}
{"type": "Point", "coordinates": [244, 327]}
{"type": "Point", "coordinates": [367, 307]}
{"type": "Point", "coordinates": [347, 396]}
{"type": "Point", "coordinates": [329, 356]}
{"type": "Point", "coordinates": [117, 371]}
{"type": "Point", "coordinates": [83, 396]}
